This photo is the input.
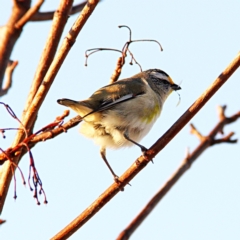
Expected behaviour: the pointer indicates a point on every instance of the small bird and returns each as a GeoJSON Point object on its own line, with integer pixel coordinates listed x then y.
{"type": "Point", "coordinates": [121, 114]}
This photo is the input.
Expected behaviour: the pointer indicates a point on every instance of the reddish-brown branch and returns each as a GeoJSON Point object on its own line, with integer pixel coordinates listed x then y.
{"type": "Point", "coordinates": [2, 221]}
{"type": "Point", "coordinates": [50, 131]}
{"type": "Point", "coordinates": [24, 147]}
{"type": "Point", "coordinates": [142, 161]}
{"type": "Point", "coordinates": [196, 106]}
{"type": "Point", "coordinates": [185, 165]}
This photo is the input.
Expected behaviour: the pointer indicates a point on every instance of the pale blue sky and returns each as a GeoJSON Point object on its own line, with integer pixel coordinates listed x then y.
{"type": "Point", "coordinates": [199, 38]}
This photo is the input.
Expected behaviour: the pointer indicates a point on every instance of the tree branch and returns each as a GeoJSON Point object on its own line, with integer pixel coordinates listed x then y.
{"type": "Point", "coordinates": [27, 16]}
{"type": "Point", "coordinates": [43, 16]}
{"type": "Point", "coordinates": [8, 74]}
{"type": "Point", "coordinates": [48, 132]}
{"type": "Point", "coordinates": [9, 35]}
{"type": "Point", "coordinates": [142, 161]}
{"type": "Point", "coordinates": [59, 22]}
{"type": "Point", "coordinates": [22, 12]}
{"type": "Point", "coordinates": [5, 171]}
{"type": "Point", "coordinates": [205, 142]}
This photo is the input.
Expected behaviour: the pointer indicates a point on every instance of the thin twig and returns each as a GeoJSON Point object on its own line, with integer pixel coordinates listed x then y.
{"type": "Point", "coordinates": [194, 131]}
{"type": "Point", "coordinates": [13, 172]}
{"type": "Point", "coordinates": [8, 75]}
{"type": "Point", "coordinates": [27, 16]}
{"type": "Point", "coordinates": [94, 50]}
{"type": "Point", "coordinates": [2, 221]}
{"type": "Point", "coordinates": [14, 116]}
{"type": "Point", "coordinates": [133, 59]}
{"type": "Point", "coordinates": [226, 139]}
{"type": "Point", "coordinates": [121, 60]}
{"type": "Point", "coordinates": [149, 40]}
{"type": "Point", "coordinates": [48, 132]}
{"type": "Point", "coordinates": [142, 161]}
{"type": "Point", "coordinates": [9, 35]}
{"type": "Point", "coordinates": [205, 142]}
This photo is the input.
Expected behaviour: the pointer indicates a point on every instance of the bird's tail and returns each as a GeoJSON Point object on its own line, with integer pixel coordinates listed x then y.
{"type": "Point", "coordinates": [80, 107]}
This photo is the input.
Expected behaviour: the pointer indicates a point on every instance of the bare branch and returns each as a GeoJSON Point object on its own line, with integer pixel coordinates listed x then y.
{"type": "Point", "coordinates": [226, 139]}
{"type": "Point", "coordinates": [196, 106]}
{"type": "Point", "coordinates": [121, 61]}
{"type": "Point", "coordinates": [118, 69]}
{"type": "Point", "coordinates": [8, 74]}
{"type": "Point", "coordinates": [55, 132]}
{"type": "Point", "coordinates": [43, 16]}
{"type": "Point", "coordinates": [149, 40]}
{"type": "Point", "coordinates": [196, 132]}
{"type": "Point", "coordinates": [30, 116]}
{"type": "Point", "coordinates": [59, 22]}
{"type": "Point", "coordinates": [9, 35]}
{"type": "Point", "coordinates": [22, 12]}
{"type": "Point", "coordinates": [185, 165]}
{"type": "Point", "coordinates": [133, 59]}
{"type": "Point", "coordinates": [142, 161]}
{"type": "Point", "coordinates": [67, 44]}
{"type": "Point", "coordinates": [27, 16]}
{"type": "Point", "coordinates": [50, 131]}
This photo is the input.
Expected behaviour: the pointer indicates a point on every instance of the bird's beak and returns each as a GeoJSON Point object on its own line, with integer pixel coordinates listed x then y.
{"type": "Point", "coordinates": [175, 87]}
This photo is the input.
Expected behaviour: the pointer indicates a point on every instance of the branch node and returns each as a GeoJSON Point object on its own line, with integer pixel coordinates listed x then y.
{"type": "Point", "coordinates": [226, 139]}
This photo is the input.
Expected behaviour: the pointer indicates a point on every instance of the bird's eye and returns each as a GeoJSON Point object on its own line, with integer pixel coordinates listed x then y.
{"type": "Point", "coordinates": [165, 82]}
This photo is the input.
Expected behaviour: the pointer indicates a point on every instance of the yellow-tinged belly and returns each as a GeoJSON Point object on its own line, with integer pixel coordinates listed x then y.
{"type": "Point", "coordinates": [151, 114]}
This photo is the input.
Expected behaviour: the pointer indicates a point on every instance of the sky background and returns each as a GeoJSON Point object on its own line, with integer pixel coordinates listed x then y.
{"type": "Point", "coordinates": [199, 38]}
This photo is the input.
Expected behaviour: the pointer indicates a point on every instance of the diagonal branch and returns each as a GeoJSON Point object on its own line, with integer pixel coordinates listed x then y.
{"type": "Point", "coordinates": [142, 161]}
{"type": "Point", "coordinates": [66, 46]}
{"type": "Point", "coordinates": [205, 142]}
{"type": "Point", "coordinates": [22, 12]}
{"type": "Point", "coordinates": [59, 22]}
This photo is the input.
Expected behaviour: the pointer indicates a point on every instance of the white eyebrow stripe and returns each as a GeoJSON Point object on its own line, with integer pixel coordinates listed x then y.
{"type": "Point", "coordinates": [160, 75]}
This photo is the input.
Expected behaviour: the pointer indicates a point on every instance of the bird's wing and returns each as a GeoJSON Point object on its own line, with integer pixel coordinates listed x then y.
{"type": "Point", "coordinates": [121, 91]}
